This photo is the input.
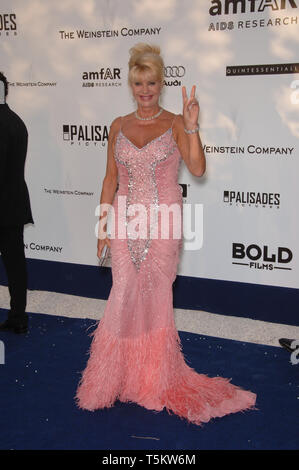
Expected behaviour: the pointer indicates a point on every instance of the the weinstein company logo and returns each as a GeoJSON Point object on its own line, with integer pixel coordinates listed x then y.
{"type": "Point", "coordinates": [86, 135]}
{"type": "Point", "coordinates": [44, 248]}
{"type": "Point", "coordinates": [251, 199]}
{"type": "Point", "coordinates": [110, 33]}
{"type": "Point", "coordinates": [261, 257]}
{"type": "Point", "coordinates": [8, 24]}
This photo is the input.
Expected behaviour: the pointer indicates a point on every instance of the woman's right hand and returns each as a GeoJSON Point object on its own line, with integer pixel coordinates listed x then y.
{"type": "Point", "coordinates": [101, 244]}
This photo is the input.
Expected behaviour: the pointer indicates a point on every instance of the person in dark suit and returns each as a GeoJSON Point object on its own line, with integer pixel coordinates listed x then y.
{"type": "Point", "coordinates": [15, 210]}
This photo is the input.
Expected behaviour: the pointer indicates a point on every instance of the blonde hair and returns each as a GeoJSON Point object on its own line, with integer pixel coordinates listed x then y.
{"type": "Point", "coordinates": [145, 59]}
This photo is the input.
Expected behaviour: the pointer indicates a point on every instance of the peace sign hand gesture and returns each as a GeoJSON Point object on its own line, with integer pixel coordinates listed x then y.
{"type": "Point", "coordinates": [190, 108]}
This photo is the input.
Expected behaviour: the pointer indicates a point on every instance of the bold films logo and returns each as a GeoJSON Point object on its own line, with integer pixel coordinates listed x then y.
{"type": "Point", "coordinates": [104, 77]}
{"type": "Point", "coordinates": [257, 14]}
{"type": "Point", "coordinates": [85, 135]}
{"type": "Point", "coordinates": [8, 24]}
{"type": "Point", "coordinates": [261, 257]}
{"type": "Point", "coordinates": [251, 199]}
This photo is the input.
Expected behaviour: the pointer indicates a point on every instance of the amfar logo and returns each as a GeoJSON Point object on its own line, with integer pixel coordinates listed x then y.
{"type": "Point", "coordinates": [86, 135]}
{"type": "Point", "coordinates": [102, 78]}
{"type": "Point", "coordinates": [227, 7]}
{"type": "Point", "coordinates": [251, 198]}
{"type": "Point", "coordinates": [8, 23]}
{"type": "Point", "coordinates": [257, 257]}
{"type": "Point", "coordinates": [103, 74]}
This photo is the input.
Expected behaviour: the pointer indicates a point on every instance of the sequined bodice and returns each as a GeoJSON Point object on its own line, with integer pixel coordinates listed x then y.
{"type": "Point", "coordinates": [148, 177]}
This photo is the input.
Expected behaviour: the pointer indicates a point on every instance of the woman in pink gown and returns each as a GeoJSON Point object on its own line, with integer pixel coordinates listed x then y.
{"type": "Point", "coordinates": [135, 355]}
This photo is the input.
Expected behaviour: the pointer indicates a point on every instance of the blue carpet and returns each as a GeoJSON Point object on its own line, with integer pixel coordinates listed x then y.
{"type": "Point", "coordinates": [260, 302]}
{"type": "Point", "coordinates": [41, 373]}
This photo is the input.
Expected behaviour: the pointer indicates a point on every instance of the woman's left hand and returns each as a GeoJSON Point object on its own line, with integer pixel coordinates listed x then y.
{"type": "Point", "coordinates": [190, 108]}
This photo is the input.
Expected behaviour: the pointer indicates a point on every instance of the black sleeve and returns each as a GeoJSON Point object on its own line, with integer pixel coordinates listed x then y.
{"type": "Point", "coordinates": [3, 151]}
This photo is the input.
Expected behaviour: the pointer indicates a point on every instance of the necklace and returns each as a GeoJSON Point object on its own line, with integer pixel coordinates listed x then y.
{"type": "Point", "coordinates": [149, 118]}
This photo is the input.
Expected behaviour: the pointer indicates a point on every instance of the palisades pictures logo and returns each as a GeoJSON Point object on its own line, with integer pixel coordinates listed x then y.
{"type": "Point", "coordinates": [254, 256]}
{"type": "Point", "coordinates": [258, 13]}
{"type": "Point", "coordinates": [85, 135]}
{"type": "Point", "coordinates": [103, 77]}
{"type": "Point", "coordinates": [8, 24]}
{"type": "Point", "coordinates": [251, 199]}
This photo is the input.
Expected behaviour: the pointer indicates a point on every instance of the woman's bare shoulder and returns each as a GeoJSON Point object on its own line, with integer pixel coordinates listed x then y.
{"type": "Point", "coordinates": [168, 114]}
{"type": "Point", "coordinates": [115, 123]}
{"type": "Point", "coordinates": [174, 118]}
{"type": "Point", "coordinates": [178, 119]}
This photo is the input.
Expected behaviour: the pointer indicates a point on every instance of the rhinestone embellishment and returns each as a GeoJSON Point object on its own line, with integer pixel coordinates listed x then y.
{"type": "Point", "coordinates": [141, 164]}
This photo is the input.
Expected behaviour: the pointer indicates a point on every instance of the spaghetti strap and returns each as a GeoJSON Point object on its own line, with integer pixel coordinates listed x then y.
{"type": "Point", "coordinates": [173, 121]}
{"type": "Point", "coordinates": [121, 123]}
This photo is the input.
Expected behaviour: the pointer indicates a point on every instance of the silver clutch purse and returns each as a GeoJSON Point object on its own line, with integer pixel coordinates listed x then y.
{"type": "Point", "coordinates": [105, 255]}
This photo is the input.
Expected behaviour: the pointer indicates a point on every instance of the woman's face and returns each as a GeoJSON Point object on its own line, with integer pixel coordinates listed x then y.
{"type": "Point", "coordinates": [146, 91]}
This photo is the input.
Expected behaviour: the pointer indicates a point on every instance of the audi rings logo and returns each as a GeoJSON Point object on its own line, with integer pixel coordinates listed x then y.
{"type": "Point", "coordinates": [174, 71]}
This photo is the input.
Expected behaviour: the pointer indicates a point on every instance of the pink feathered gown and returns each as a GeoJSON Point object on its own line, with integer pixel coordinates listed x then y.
{"type": "Point", "coordinates": [135, 355]}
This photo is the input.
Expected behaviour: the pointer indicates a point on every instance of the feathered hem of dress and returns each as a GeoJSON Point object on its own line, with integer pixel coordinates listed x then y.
{"type": "Point", "coordinates": [150, 370]}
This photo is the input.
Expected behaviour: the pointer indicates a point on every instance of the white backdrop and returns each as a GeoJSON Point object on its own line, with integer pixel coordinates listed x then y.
{"type": "Point", "coordinates": [66, 62]}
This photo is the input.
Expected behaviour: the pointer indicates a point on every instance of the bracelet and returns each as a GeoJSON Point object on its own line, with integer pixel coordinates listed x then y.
{"type": "Point", "coordinates": [193, 131]}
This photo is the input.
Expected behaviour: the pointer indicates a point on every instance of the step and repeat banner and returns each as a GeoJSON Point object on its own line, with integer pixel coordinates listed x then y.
{"type": "Point", "coordinates": [66, 62]}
